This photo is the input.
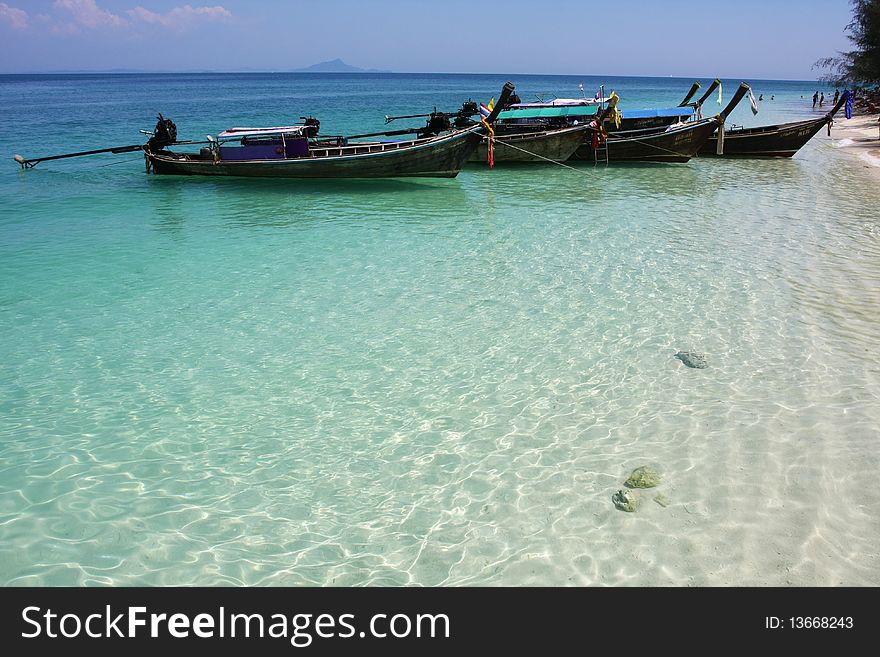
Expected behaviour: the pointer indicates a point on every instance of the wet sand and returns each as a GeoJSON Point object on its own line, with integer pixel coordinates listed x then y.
{"type": "Point", "coordinates": [859, 136]}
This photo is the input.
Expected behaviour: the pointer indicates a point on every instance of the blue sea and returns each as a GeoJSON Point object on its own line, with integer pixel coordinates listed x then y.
{"type": "Point", "coordinates": [429, 382]}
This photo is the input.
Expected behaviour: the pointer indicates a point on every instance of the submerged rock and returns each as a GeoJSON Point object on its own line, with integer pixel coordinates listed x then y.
{"type": "Point", "coordinates": [662, 500]}
{"type": "Point", "coordinates": [692, 359]}
{"type": "Point", "coordinates": [643, 477]}
{"type": "Point", "coordinates": [626, 500]}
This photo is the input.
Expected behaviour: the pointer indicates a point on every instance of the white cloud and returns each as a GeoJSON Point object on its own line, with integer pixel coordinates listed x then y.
{"type": "Point", "coordinates": [76, 16]}
{"type": "Point", "coordinates": [17, 18]}
{"type": "Point", "coordinates": [181, 18]}
{"type": "Point", "coordinates": [87, 13]}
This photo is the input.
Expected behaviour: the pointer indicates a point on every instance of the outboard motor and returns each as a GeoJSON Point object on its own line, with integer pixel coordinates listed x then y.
{"type": "Point", "coordinates": [463, 116]}
{"type": "Point", "coordinates": [469, 108]}
{"type": "Point", "coordinates": [313, 125]}
{"type": "Point", "coordinates": [164, 134]}
{"type": "Point", "coordinates": [436, 124]}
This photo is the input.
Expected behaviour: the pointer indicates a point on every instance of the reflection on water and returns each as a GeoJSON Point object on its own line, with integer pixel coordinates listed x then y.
{"type": "Point", "coordinates": [279, 203]}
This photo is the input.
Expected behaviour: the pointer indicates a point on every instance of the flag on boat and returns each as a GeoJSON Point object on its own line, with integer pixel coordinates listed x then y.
{"type": "Point", "coordinates": [486, 110]}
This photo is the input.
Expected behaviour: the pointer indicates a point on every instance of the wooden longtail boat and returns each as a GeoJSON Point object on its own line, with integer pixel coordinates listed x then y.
{"type": "Point", "coordinates": [782, 140]}
{"type": "Point", "coordinates": [296, 152]}
{"type": "Point", "coordinates": [640, 119]}
{"type": "Point", "coordinates": [287, 153]}
{"type": "Point", "coordinates": [556, 145]}
{"type": "Point", "coordinates": [635, 119]}
{"type": "Point", "coordinates": [658, 142]}
{"type": "Point", "coordinates": [677, 143]}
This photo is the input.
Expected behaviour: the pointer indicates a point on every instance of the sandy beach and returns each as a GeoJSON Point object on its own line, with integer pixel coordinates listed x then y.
{"type": "Point", "coordinates": [859, 136]}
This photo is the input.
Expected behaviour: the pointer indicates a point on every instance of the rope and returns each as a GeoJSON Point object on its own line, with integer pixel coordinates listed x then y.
{"type": "Point", "coordinates": [660, 148]}
{"type": "Point", "coordinates": [541, 157]}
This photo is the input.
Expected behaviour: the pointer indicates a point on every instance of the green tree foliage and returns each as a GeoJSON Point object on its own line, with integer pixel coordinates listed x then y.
{"type": "Point", "coordinates": [861, 65]}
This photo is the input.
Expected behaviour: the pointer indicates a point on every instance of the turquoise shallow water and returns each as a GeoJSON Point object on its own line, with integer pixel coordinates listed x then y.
{"type": "Point", "coordinates": [428, 382]}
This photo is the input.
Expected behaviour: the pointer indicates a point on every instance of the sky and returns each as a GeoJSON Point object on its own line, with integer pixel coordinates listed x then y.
{"type": "Point", "coordinates": [769, 39]}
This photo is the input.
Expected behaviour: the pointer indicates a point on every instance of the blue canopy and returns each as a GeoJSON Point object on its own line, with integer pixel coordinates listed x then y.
{"type": "Point", "coordinates": [652, 113]}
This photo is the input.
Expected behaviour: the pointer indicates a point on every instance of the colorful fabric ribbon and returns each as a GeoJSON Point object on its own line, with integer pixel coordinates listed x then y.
{"type": "Point", "coordinates": [752, 102]}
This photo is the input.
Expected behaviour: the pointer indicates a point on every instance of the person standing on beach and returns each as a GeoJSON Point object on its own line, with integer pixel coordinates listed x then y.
{"type": "Point", "coordinates": [836, 96]}
{"type": "Point", "coordinates": [815, 99]}
{"type": "Point", "coordinates": [822, 99]}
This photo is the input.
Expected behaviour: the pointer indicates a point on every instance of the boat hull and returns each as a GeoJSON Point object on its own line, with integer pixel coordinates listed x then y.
{"type": "Point", "coordinates": [676, 145]}
{"type": "Point", "coordinates": [437, 157]}
{"type": "Point", "coordinates": [642, 123]}
{"type": "Point", "coordinates": [767, 141]}
{"type": "Point", "coordinates": [525, 147]}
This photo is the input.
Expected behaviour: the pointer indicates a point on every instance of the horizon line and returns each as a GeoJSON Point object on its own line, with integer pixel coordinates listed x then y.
{"type": "Point", "coordinates": [374, 72]}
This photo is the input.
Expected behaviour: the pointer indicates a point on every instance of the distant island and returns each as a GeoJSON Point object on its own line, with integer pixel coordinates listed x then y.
{"type": "Point", "coordinates": [336, 66]}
